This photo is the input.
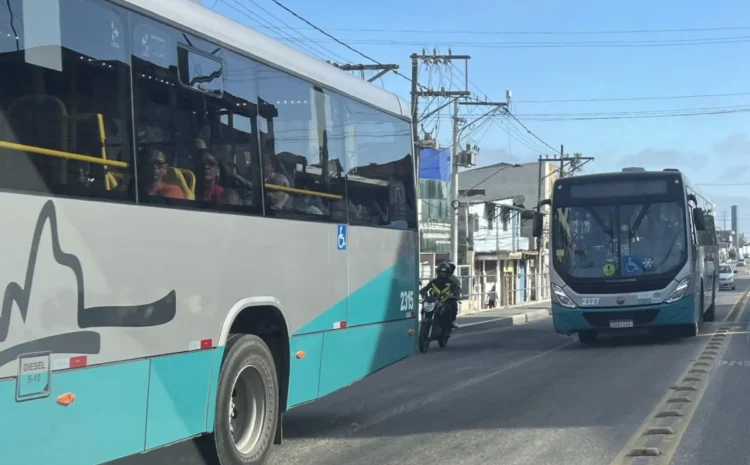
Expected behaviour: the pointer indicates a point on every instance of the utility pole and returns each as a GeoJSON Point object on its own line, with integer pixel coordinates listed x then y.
{"type": "Point", "coordinates": [540, 255]}
{"type": "Point", "coordinates": [362, 68]}
{"type": "Point", "coordinates": [454, 184]}
{"type": "Point", "coordinates": [417, 92]}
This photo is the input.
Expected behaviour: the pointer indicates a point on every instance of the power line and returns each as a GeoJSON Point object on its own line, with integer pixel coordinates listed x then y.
{"type": "Point", "coordinates": [559, 44]}
{"type": "Point", "coordinates": [510, 33]}
{"type": "Point", "coordinates": [679, 112]}
{"type": "Point", "coordinates": [340, 42]}
{"type": "Point", "coordinates": [633, 99]}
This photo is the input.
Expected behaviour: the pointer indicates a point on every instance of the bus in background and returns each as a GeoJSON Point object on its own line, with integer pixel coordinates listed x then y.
{"type": "Point", "coordinates": [631, 249]}
{"type": "Point", "coordinates": [202, 228]}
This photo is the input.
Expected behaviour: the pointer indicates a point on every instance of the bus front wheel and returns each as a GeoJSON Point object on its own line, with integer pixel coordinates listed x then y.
{"type": "Point", "coordinates": [247, 402]}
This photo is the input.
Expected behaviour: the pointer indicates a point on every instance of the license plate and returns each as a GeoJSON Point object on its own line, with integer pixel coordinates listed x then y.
{"type": "Point", "coordinates": [621, 324]}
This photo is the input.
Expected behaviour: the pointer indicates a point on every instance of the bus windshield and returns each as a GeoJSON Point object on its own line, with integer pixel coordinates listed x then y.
{"type": "Point", "coordinates": [620, 240]}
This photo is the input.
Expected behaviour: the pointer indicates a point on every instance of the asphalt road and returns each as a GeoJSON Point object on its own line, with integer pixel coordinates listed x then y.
{"type": "Point", "coordinates": [521, 395]}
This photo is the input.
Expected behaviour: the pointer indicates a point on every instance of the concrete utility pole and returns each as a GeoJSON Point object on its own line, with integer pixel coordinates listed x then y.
{"type": "Point", "coordinates": [362, 68]}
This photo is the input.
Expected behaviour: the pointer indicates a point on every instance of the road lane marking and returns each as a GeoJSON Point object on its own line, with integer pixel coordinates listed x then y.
{"type": "Point", "coordinates": [658, 437]}
{"type": "Point", "coordinates": [738, 304]}
{"type": "Point", "coordinates": [449, 391]}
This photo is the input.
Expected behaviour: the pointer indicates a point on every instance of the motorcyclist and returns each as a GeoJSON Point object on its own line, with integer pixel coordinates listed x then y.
{"type": "Point", "coordinates": [445, 279]}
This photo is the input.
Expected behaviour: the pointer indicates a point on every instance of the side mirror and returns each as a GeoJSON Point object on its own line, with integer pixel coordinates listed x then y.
{"type": "Point", "coordinates": [735, 271]}
{"type": "Point", "coordinates": [698, 219]}
{"type": "Point", "coordinates": [538, 225]}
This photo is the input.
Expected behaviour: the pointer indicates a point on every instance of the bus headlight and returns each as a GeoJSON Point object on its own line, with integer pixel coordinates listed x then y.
{"type": "Point", "coordinates": [562, 298]}
{"type": "Point", "coordinates": [679, 291]}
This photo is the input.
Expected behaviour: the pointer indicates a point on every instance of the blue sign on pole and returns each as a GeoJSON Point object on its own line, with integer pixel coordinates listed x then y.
{"type": "Point", "coordinates": [341, 237]}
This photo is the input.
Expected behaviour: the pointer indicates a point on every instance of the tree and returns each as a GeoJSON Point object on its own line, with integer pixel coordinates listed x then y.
{"type": "Point", "coordinates": [742, 241]}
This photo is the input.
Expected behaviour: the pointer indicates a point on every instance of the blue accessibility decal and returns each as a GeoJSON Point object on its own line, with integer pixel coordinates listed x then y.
{"type": "Point", "coordinates": [341, 238]}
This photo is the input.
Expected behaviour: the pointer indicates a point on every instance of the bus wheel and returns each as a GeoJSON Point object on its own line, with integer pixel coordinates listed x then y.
{"type": "Point", "coordinates": [587, 337]}
{"type": "Point", "coordinates": [246, 402]}
{"type": "Point", "coordinates": [710, 314]}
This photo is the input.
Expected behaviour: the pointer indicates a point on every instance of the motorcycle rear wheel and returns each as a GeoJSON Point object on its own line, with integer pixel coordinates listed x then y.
{"type": "Point", "coordinates": [424, 338]}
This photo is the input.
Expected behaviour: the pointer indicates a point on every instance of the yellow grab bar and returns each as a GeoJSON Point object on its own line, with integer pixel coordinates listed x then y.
{"type": "Point", "coordinates": [293, 190]}
{"type": "Point", "coordinates": [60, 154]}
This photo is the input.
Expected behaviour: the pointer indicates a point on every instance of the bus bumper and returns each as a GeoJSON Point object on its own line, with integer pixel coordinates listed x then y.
{"type": "Point", "coordinates": [572, 320]}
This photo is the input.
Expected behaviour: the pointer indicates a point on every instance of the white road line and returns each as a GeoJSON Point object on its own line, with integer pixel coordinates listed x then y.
{"type": "Point", "coordinates": [449, 391]}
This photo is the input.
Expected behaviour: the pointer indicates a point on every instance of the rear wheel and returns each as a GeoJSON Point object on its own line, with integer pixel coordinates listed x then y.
{"type": "Point", "coordinates": [443, 342]}
{"type": "Point", "coordinates": [587, 337]}
{"type": "Point", "coordinates": [246, 402]}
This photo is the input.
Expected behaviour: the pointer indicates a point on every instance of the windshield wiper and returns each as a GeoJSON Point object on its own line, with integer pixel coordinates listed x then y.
{"type": "Point", "coordinates": [639, 220]}
{"type": "Point", "coordinates": [599, 220]}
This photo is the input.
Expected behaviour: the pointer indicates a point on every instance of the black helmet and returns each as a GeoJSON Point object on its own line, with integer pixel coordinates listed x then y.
{"type": "Point", "coordinates": [443, 270]}
{"type": "Point", "coordinates": [451, 265]}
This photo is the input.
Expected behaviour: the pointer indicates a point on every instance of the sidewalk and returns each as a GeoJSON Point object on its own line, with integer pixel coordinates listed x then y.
{"type": "Point", "coordinates": [513, 316]}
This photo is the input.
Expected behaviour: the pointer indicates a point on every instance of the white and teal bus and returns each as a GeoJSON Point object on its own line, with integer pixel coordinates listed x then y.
{"type": "Point", "coordinates": [202, 228]}
{"type": "Point", "coordinates": [630, 250]}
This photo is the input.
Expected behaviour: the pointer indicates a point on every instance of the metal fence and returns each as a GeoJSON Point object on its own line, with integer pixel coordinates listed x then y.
{"type": "Point", "coordinates": [484, 292]}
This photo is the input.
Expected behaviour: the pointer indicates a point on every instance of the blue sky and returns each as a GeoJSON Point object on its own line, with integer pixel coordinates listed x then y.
{"type": "Point", "coordinates": [711, 149]}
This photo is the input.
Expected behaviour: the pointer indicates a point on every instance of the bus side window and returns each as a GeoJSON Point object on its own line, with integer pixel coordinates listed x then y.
{"type": "Point", "coordinates": [303, 164]}
{"type": "Point", "coordinates": [380, 184]}
{"type": "Point", "coordinates": [65, 111]}
{"type": "Point", "coordinates": [195, 105]}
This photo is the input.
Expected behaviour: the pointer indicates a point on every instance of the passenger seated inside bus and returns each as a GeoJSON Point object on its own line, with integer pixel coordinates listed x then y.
{"type": "Point", "coordinates": [207, 186]}
{"type": "Point", "coordinates": [308, 203]}
{"type": "Point", "coordinates": [277, 199]}
{"type": "Point", "coordinates": [153, 174]}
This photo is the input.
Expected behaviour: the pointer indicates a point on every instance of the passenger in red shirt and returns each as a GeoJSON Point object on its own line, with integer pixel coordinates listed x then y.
{"type": "Point", "coordinates": [208, 171]}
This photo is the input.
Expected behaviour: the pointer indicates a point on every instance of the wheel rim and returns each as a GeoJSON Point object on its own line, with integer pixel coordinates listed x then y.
{"type": "Point", "coordinates": [247, 409]}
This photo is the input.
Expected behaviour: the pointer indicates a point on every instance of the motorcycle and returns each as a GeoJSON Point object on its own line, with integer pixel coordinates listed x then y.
{"type": "Point", "coordinates": [436, 323]}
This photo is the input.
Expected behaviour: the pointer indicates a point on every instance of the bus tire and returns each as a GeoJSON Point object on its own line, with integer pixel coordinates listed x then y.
{"type": "Point", "coordinates": [710, 314]}
{"type": "Point", "coordinates": [587, 337]}
{"type": "Point", "coordinates": [247, 402]}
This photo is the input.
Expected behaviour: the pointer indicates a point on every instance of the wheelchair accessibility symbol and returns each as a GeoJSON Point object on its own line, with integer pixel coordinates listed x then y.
{"type": "Point", "coordinates": [341, 237]}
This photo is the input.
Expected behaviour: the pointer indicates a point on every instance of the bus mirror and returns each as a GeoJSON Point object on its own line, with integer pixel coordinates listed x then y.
{"type": "Point", "coordinates": [538, 224]}
{"type": "Point", "coordinates": [698, 219]}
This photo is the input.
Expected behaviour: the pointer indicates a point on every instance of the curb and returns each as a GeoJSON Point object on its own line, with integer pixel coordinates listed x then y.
{"type": "Point", "coordinates": [527, 304]}
{"type": "Point", "coordinates": [506, 321]}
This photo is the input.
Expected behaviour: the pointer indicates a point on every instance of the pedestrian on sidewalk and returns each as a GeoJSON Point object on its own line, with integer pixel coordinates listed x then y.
{"type": "Point", "coordinates": [492, 297]}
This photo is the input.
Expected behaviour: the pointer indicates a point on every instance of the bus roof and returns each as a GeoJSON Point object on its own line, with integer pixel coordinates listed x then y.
{"type": "Point", "coordinates": [214, 26]}
{"type": "Point", "coordinates": [620, 174]}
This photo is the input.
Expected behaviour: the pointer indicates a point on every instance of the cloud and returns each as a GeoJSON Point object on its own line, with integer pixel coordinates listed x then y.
{"type": "Point", "coordinates": [655, 159]}
{"type": "Point", "coordinates": [736, 144]}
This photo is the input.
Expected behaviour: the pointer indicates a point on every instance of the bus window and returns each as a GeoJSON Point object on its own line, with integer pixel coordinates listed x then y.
{"type": "Point", "coordinates": [302, 168]}
{"type": "Point", "coordinates": [65, 113]}
{"type": "Point", "coordinates": [195, 106]}
{"type": "Point", "coordinates": [380, 184]}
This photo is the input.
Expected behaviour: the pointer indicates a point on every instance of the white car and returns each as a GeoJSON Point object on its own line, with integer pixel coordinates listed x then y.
{"type": "Point", "coordinates": [726, 277]}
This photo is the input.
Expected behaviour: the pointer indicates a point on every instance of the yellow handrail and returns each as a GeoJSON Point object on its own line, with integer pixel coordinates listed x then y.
{"type": "Point", "coordinates": [60, 154]}
{"type": "Point", "coordinates": [293, 190]}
